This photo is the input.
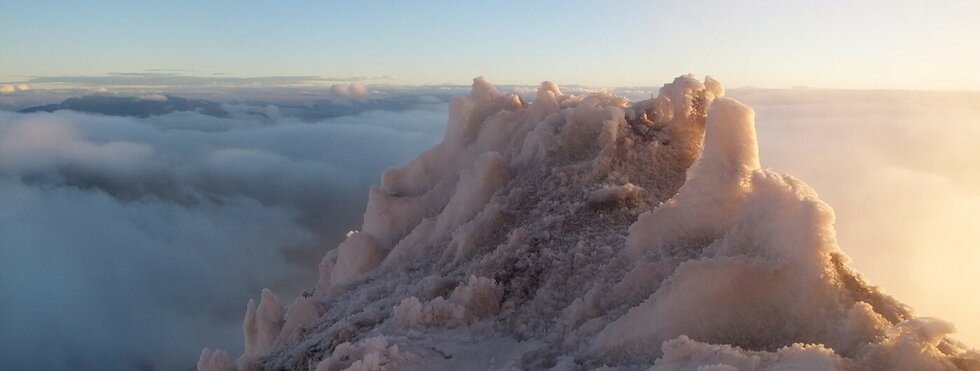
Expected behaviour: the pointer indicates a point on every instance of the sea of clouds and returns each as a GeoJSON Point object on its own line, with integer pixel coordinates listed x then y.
{"type": "Point", "coordinates": [133, 242]}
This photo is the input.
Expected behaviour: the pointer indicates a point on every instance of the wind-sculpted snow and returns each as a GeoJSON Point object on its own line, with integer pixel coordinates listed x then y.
{"type": "Point", "coordinates": [589, 232]}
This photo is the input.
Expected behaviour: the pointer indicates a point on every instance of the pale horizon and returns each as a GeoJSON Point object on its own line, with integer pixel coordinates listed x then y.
{"type": "Point", "coordinates": [915, 45]}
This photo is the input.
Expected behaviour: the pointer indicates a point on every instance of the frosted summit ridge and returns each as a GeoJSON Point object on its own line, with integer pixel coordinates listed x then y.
{"type": "Point", "coordinates": [579, 232]}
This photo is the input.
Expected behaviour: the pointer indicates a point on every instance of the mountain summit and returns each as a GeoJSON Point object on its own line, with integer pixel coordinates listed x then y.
{"type": "Point", "coordinates": [589, 232]}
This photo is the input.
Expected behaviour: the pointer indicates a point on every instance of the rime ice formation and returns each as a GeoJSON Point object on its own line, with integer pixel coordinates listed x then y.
{"type": "Point", "coordinates": [588, 232]}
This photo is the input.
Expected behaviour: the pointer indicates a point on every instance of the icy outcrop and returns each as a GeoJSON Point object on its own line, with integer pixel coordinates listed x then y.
{"type": "Point", "coordinates": [215, 361]}
{"type": "Point", "coordinates": [262, 325]}
{"type": "Point", "coordinates": [716, 185]}
{"type": "Point", "coordinates": [589, 232]}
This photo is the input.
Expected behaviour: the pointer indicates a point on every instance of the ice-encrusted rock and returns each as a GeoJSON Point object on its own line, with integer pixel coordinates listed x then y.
{"type": "Point", "coordinates": [582, 232]}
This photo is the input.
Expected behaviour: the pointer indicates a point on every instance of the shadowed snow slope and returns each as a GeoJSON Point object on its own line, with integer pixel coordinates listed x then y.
{"type": "Point", "coordinates": [579, 232]}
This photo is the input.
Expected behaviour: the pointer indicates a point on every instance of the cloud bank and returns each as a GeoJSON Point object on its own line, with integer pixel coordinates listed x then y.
{"type": "Point", "coordinates": [142, 106]}
{"type": "Point", "coordinates": [131, 243]}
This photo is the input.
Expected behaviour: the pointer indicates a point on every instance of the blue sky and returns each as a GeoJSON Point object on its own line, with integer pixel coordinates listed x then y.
{"type": "Point", "coordinates": [840, 44]}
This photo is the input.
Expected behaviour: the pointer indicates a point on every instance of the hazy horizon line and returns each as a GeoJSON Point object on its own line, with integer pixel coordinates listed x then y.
{"type": "Point", "coordinates": [172, 78]}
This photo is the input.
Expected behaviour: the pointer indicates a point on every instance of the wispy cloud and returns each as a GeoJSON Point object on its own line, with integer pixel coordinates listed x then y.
{"type": "Point", "coordinates": [11, 88]}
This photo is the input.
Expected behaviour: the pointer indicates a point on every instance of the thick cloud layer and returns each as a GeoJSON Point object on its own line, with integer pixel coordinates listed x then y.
{"type": "Point", "coordinates": [131, 243]}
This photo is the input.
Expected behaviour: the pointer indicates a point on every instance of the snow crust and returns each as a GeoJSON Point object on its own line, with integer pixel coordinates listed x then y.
{"type": "Point", "coordinates": [372, 354]}
{"type": "Point", "coordinates": [589, 232]}
{"type": "Point", "coordinates": [479, 298]}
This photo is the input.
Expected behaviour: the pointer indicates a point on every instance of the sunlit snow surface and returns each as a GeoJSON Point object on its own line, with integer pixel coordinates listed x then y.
{"type": "Point", "coordinates": [582, 232]}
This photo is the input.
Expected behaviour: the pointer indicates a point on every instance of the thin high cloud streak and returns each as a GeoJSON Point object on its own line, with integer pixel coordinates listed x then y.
{"type": "Point", "coordinates": [129, 244]}
{"type": "Point", "coordinates": [900, 170]}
